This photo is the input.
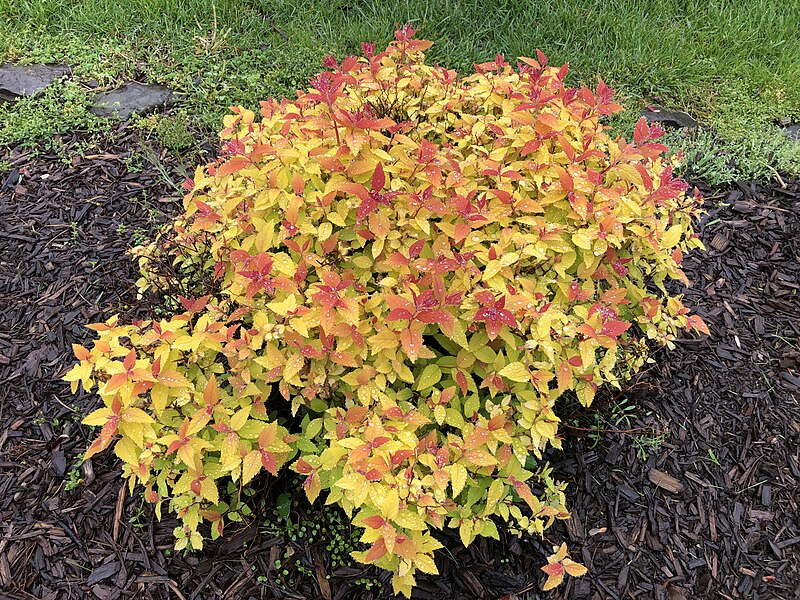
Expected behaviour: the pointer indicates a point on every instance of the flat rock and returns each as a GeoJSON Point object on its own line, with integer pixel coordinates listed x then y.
{"type": "Point", "coordinates": [672, 118]}
{"type": "Point", "coordinates": [792, 132]}
{"type": "Point", "coordinates": [131, 98]}
{"type": "Point", "coordinates": [27, 80]}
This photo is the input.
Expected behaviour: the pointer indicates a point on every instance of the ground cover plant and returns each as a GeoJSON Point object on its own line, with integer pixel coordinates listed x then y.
{"type": "Point", "coordinates": [409, 270]}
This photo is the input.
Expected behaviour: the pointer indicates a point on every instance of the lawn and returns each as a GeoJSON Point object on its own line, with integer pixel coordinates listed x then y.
{"type": "Point", "coordinates": [711, 59]}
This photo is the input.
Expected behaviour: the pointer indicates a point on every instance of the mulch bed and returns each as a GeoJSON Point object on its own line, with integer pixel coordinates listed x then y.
{"type": "Point", "coordinates": [707, 509]}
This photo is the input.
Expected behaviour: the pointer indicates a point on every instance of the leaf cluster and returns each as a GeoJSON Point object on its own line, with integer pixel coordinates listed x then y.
{"type": "Point", "coordinates": [411, 268]}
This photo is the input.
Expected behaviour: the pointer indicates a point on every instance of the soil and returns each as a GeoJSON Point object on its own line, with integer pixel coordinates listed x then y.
{"type": "Point", "coordinates": [693, 494]}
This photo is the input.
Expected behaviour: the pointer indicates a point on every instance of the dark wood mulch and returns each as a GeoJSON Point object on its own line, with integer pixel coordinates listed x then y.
{"type": "Point", "coordinates": [707, 509]}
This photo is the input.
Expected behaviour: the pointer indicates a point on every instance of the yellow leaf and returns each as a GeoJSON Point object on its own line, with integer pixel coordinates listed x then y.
{"type": "Point", "coordinates": [496, 491]}
{"type": "Point", "coordinates": [98, 417]}
{"type": "Point", "coordinates": [126, 449]}
{"type": "Point", "coordinates": [250, 466]}
{"type": "Point", "coordinates": [135, 431]}
{"type": "Point", "coordinates": [324, 231]}
{"type": "Point", "coordinates": [403, 584]}
{"type": "Point", "coordinates": [671, 237]}
{"type": "Point", "coordinates": [390, 505]}
{"type": "Point", "coordinates": [516, 371]}
{"type": "Point", "coordinates": [208, 490]}
{"type": "Point", "coordinates": [458, 478]}
{"type": "Point", "coordinates": [173, 379]}
{"type": "Point", "coordinates": [159, 397]}
{"type": "Point", "coordinates": [553, 581]}
{"type": "Point", "coordinates": [80, 372]}
{"type": "Point", "coordinates": [410, 519]}
{"type": "Point", "coordinates": [582, 240]}
{"type": "Point", "coordinates": [546, 430]}
{"type": "Point", "coordinates": [293, 366]}
{"type": "Point", "coordinates": [240, 418]}
{"type": "Point", "coordinates": [285, 306]}
{"type": "Point", "coordinates": [439, 413]}
{"type": "Point", "coordinates": [426, 564]}
{"type": "Point", "coordinates": [573, 568]}
{"type": "Point", "coordinates": [136, 415]}
{"type": "Point", "coordinates": [465, 532]}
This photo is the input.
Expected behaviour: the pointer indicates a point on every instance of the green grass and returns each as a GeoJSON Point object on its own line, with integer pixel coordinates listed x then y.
{"type": "Point", "coordinates": [735, 66]}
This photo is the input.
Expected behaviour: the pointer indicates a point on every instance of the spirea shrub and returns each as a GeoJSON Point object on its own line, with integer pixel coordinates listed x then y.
{"type": "Point", "coordinates": [410, 268]}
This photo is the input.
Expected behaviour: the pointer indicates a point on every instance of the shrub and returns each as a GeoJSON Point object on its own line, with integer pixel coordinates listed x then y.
{"type": "Point", "coordinates": [417, 266]}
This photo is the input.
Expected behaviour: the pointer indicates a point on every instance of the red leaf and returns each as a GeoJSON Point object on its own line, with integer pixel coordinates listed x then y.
{"type": "Point", "coordinates": [641, 131]}
{"type": "Point", "coordinates": [355, 189]}
{"type": "Point", "coordinates": [398, 314]}
{"type": "Point", "coordinates": [268, 461]}
{"type": "Point", "coordinates": [378, 178]}
{"type": "Point", "coordinates": [399, 456]}
{"type": "Point", "coordinates": [412, 342]}
{"type": "Point", "coordinates": [301, 466]}
{"type": "Point", "coordinates": [565, 179]}
{"type": "Point", "coordinates": [461, 380]}
{"type": "Point", "coordinates": [130, 360]}
{"type": "Point", "coordinates": [237, 163]}
{"type": "Point", "coordinates": [613, 329]}
{"type": "Point", "coordinates": [116, 382]}
{"type": "Point", "coordinates": [542, 58]}
{"type": "Point", "coordinates": [553, 569]}
{"type": "Point", "coordinates": [415, 248]}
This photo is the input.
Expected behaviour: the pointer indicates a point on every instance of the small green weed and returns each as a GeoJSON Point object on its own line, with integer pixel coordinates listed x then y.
{"type": "Point", "coordinates": [74, 478]}
{"type": "Point", "coordinates": [621, 417]}
{"type": "Point", "coordinates": [331, 530]}
{"type": "Point", "coordinates": [61, 107]}
{"type": "Point", "coordinates": [174, 132]}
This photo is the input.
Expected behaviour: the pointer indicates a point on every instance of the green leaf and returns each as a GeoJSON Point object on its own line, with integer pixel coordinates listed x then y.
{"type": "Point", "coordinates": [430, 376]}
{"type": "Point", "coordinates": [313, 428]}
{"type": "Point", "coordinates": [490, 530]}
{"type": "Point", "coordinates": [284, 505]}
{"type": "Point", "coordinates": [460, 334]}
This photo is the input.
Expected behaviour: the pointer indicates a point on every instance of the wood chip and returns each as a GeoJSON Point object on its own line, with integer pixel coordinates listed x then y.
{"type": "Point", "coordinates": [664, 481]}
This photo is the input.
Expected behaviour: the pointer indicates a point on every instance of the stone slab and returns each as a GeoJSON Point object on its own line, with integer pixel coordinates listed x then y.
{"type": "Point", "coordinates": [792, 132]}
{"type": "Point", "coordinates": [131, 98]}
{"type": "Point", "coordinates": [671, 118]}
{"type": "Point", "coordinates": [27, 80]}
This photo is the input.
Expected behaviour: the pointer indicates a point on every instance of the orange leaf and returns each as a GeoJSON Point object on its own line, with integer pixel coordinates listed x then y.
{"type": "Point", "coordinates": [80, 352]}
{"type": "Point", "coordinates": [377, 550]}
{"type": "Point", "coordinates": [411, 339]}
{"type": "Point", "coordinates": [234, 164]}
{"type": "Point", "coordinates": [564, 374]}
